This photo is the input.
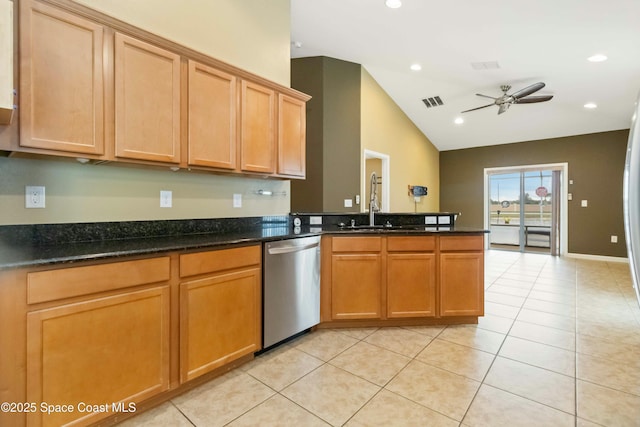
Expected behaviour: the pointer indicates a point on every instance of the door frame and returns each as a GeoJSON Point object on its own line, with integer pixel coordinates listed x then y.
{"type": "Point", "coordinates": [385, 181]}
{"type": "Point", "coordinates": [564, 196]}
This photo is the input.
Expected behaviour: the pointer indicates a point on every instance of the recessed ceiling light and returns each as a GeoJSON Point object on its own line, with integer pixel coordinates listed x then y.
{"type": "Point", "coordinates": [590, 105]}
{"type": "Point", "coordinates": [393, 4]}
{"type": "Point", "coordinates": [416, 67]}
{"type": "Point", "coordinates": [458, 120]}
{"type": "Point", "coordinates": [597, 58]}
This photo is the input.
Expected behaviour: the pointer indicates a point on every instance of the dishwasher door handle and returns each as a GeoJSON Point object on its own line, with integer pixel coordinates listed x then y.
{"type": "Point", "coordinates": [289, 249]}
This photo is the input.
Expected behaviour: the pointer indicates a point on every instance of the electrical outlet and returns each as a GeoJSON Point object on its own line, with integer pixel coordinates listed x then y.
{"type": "Point", "coordinates": [614, 239]}
{"type": "Point", "coordinates": [348, 203]}
{"type": "Point", "coordinates": [34, 197]}
{"type": "Point", "coordinates": [315, 220]}
{"type": "Point", "coordinates": [584, 203]}
{"type": "Point", "coordinates": [165, 199]}
{"type": "Point", "coordinates": [237, 200]}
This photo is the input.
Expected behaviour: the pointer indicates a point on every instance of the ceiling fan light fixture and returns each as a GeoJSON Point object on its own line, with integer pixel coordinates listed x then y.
{"type": "Point", "coordinates": [597, 58]}
{"type": "Point", "coordinates": [393, 4]}
{"type": "Point", "coordinates": [590, 105]}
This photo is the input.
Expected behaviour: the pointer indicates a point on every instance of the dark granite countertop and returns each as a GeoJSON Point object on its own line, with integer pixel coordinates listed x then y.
{"type": "Point", "coordinates": [29, 246]}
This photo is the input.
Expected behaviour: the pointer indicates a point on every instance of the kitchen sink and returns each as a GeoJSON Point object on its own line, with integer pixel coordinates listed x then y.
{"type": "Point", "coordinates": [381, 227]}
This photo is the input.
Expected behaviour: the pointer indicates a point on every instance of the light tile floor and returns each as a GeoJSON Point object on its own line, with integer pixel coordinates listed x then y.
{"type": "Point", "coordinates": [559, 346]}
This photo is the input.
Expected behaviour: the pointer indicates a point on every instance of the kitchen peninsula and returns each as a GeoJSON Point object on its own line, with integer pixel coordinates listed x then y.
{"type": "Point", "coordinates": [72, 303]}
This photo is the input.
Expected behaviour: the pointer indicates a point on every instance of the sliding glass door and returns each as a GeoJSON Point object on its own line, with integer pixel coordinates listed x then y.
{"type": "Point", "coordinates": [523, 210]}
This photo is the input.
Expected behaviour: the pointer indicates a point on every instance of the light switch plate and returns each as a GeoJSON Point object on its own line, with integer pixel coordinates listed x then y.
{"type": "Point", "coordinates": [237, 200]}
{"type": "Point", "coordinates": [584, 203]}
{"type": "Point", "coordinates": [315, 220]}
{"type": "Point", "coordinates": [348, 203]}
{"type": "Point", "coordinates": [166, 199]}
{"type": "Point", "coordinates": [430, 219]}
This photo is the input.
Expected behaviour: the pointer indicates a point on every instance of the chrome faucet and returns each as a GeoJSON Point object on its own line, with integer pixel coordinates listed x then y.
{"type": "Point", "coordinates": [373, 199]}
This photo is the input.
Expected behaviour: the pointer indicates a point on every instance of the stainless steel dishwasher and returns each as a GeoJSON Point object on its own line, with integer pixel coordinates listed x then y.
{"type": "Point", "coordinates": [291, 288]}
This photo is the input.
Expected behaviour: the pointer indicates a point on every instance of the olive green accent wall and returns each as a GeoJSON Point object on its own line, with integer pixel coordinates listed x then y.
{"type": "Point", "coordinates": [333, 134]}
{"type": "Point", "coordinates": [596, 166]}
{"type": "Point", "coordinates": [306, 76]}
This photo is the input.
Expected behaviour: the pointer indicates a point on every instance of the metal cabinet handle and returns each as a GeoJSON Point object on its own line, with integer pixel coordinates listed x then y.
{"type": "Point", "coordinates": [289, 249]}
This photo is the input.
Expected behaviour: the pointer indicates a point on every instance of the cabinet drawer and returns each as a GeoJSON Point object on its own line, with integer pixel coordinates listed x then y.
{"type": "Point", "coordinates": [411, 244]}
{"type": "Point", "coordinates": [357, 244]}
{"type": "Point", "coordinates": [52, 285]}
{"type": "Point", "coordinates": [461, 243]}
{"type": "Point", "coordinates": [223, 259]}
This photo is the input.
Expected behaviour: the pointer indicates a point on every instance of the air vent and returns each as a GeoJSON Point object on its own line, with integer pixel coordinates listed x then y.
{"type": "Point", "coordinates": [487, 65]}
{"type": "Point", "coordinates": [433, 102]}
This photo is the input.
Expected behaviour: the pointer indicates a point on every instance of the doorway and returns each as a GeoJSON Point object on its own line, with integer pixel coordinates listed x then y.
{"type": "Point", "coordinates": [524, 208]}
{"type": "Point", "coordinates": [378, 163]}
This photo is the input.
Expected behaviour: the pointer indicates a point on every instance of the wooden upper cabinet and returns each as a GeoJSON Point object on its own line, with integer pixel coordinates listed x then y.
{"type": "Point", "coordinates": [212, 117]}
{"type": "Point", "coordinates": [257, 128]}
{"type": "Point", "coordinates": [147, 101]}
{"type": "Point", "coordinates": [291, 136]}
{"type": "Point", "coordinates": [61, 81]}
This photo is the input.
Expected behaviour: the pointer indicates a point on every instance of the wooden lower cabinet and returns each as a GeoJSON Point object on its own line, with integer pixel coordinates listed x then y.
{"type": "Point", "coordinates": [461, 276]}
{"type": "Point", "coordinates": [398, 278]}
{"type": "Point", "coordinates": [111, 350]}
{"type": "Point", "coordinates": [355, 277]}
{"type": "Point", "coordinates": [411, 285]}
{"type": "Point", "coordinates": [219, 321]}
{"type": "Point", "coordinates": [220, 312]}
{"type": "Point", "coordinates": [355, 286]}
{"type": "Point", "coordinates": [111, 338]}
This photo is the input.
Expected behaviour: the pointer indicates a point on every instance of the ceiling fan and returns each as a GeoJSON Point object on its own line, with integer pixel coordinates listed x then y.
{"type": "Point", "coordinates": [520, 97]}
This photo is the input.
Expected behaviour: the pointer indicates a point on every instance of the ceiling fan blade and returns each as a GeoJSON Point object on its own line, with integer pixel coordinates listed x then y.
{"type": "Point", "coordinates": [504, 107]}
{"type": "Point", "coordinates": [473, 109]}
{"type": "Point", "coordinates": [485, 96]}
{"type": "Point", "coordinates": [528, 90]}
{"type": "Point", "coordinates": [533, 99]}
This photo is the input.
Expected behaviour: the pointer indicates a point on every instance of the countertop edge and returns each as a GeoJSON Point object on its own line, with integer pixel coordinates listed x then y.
{"type": "Point", "coordinates": [37, 256]}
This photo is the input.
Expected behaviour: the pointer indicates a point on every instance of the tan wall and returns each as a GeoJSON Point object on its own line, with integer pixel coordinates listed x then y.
{"type": "Point", "coordinates": [95, 193]}
{"type": "Point", "coordinates": [413, 158]}
{"type": "Point", "coordinates": [250, 34]}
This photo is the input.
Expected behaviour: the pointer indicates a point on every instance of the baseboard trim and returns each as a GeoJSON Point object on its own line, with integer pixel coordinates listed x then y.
{"type": "Point", "coordinates": [597, 257]}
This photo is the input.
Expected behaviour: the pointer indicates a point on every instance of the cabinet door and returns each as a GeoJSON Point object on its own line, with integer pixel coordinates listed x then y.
{"type": "Point", "coordinates": [212, 117]}
{"type": "Point", "coordinates": [147, 101]}
{"type": "Point", "coordinates": [411, 282]}
{"type": "Point", "coordinates": [220, 321]}
{"type": "Point", "coordinates": [462, 284]}
{"type": "Point", "coordinates": [355, 286]}
{"type": "Point", "coordinates": [106, 350]}
{"type": "Point", "coordinates": [291, 136]}
{"type": "Point", "coordinates": [61, 81]}
{"type": "Point", "coordinates": [257, 128]}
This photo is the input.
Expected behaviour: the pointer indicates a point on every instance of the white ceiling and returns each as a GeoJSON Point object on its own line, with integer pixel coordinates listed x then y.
{"type": "Point", "coordinates": [543, 40]}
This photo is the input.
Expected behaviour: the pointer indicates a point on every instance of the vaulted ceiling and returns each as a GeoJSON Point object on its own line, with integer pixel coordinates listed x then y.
{"type": "Point", "coordinates": [467, 46]}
